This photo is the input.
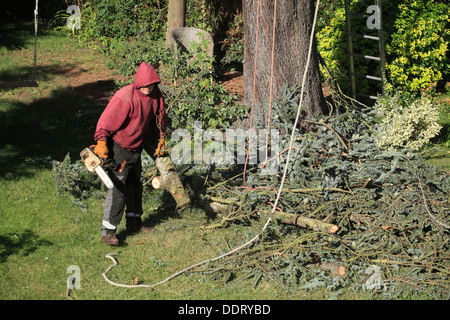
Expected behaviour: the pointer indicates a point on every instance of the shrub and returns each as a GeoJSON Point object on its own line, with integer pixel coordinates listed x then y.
{"type": "Point", "coordinates": [406, 125]}
{"type": "Point", "coordinates": [416, 35]}
{"type": "Point", "coordinates": [331, 45]}
{"type": "Point", "coordinates": [418, 51]}
{"type": "Point", "coordinates": [128, 18]}
{"type": "Point", "coordinates": [197, 96]}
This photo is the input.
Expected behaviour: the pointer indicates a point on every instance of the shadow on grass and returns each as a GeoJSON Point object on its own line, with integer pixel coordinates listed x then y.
{"type": "Point", "coordinates": [20, 243]}
{"type": "Point", "coordinates": [43, 73]}
{"type": "Point", "coordinates": [16, 36]}
{"type": "Point", "coordinates": [166, 211]}
{"type": "Point", "coordinates": [50, 127]}
{"type": "Point", "coordinates": [167, 207]}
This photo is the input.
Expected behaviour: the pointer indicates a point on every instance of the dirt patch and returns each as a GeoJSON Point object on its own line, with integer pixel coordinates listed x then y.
{"type": "Point", "coordinates": [233, 83]}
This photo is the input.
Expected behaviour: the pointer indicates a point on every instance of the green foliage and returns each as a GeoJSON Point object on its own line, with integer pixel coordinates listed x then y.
{"type": "Point", "coordinates": [125, 56]}
{"type": "Point", "coordinates": [332, 45]}
{"type": "Point", "coordinates": [233, 44]}
{"type": "Point", "coordinates": [416, 35]}
{"type": "Point", "coordinates": [199, 15]}
{"type": "Point", "coordinates": [444, 118]}
{"type": "Point", "coordinates": [128, 18]}
{"type": "Point", "coordinates": [197, 96]}
{"type": "Point", "coordinates": [74, 180]}
{"type": "Point", "coordinates": [60, 20]}
{"type": "Point", "coordinates": [331, 42]}
{"type": "Point", "coordinates": [406, 124]}
{"type": "Point", "coordinates": [418, 51]}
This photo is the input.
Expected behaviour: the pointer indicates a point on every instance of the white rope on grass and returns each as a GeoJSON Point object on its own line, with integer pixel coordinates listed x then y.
{"type": "Point", "coordinates": [109, 255]}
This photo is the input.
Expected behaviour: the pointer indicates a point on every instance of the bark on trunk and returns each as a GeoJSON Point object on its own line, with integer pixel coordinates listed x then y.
{"type": "Point", "coordinates": [175, 16]}
{"type": "Point", "coordinates": [294, 22]}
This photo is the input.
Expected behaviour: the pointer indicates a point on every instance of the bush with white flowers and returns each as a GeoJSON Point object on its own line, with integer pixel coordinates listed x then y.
{"type": "Point", "coordinates": [406, 124]}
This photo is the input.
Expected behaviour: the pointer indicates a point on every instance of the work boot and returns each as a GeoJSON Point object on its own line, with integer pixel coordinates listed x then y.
{"type": "Point", "coordinates": [110, 239]}
{"type": "Point", "coordinates": [134, 225]}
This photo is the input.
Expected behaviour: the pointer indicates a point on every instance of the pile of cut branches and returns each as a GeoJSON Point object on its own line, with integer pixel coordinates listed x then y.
{"type": "Point", "coordinates": [350, 215]}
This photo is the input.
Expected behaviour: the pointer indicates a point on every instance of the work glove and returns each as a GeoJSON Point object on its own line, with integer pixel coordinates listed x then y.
{"type": "Point", "coordinates": [160, 148]}
{"type": "Point", "coordinates": [101, 149]}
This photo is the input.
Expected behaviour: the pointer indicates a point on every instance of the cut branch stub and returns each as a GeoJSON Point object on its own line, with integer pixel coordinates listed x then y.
{"type": "Point", "coordinates": [334, 268]}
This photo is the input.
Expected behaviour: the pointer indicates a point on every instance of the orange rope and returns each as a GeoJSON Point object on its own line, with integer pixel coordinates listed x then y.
{"type": "Point", "coordinates": [254, 85]}
{"type": "Point", "coordinates": [253, 97]}
{"type": "Point", "coordinates": [271, 77]}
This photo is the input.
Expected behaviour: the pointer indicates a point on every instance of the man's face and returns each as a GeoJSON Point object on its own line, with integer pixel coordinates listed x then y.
{"type": "Point", "coordinates": [147, 89]}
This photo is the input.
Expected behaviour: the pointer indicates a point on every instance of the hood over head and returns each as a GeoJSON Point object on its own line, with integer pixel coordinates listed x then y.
{"type": "Point", "coordinates": [146, 75]}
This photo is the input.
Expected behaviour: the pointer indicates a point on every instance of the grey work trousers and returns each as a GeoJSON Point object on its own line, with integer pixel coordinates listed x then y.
{"type": "Point", "coordinates": [127, 190]}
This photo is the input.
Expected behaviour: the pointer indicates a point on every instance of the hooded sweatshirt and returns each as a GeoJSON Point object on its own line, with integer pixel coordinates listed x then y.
{"type": "Point", "coordinates": [130, 115]}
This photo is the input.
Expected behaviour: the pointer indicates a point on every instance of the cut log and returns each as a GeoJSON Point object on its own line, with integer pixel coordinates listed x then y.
{"type": "Point", "coordinates": [334, 268]}
{"type": "Point", "coordinates": [170, 181]}
{"type": "Point", "coordinates": [291, 218]}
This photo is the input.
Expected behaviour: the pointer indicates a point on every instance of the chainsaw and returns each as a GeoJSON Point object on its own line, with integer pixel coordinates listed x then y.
{"type": "Point", "coordinates": [168, 179]}
{"type": "Point", "coordinates": [96, 164]}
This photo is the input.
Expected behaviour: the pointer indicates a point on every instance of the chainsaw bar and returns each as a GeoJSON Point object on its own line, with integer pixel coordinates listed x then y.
{"type": "Point", "coordinates": [104, 177]}
{"type": "Point", "coordinates": [94, 164]}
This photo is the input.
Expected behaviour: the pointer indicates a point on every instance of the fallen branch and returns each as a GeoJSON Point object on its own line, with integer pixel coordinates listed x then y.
{"type": "Point", "coordinates": [283, 217]}
{"type": "Point", "coordinates": [306, 190]}
{"type": "Point", "coordinates": [434, 219]}
{"type": "Point", "coordinates": [300, 221]}
{"type": "Point", "coordinates": [229, 201]}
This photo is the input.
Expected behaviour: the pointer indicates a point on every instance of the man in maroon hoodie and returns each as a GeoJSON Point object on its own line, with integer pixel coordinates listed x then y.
{"type": "Point", "coordinates": [135, 116]}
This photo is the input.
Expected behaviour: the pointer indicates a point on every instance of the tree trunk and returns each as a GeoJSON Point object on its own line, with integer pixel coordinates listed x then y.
{"type": "Point", "coordinates": [294, 22]}
{"type": "Point", "coordinates": [176, 15]}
